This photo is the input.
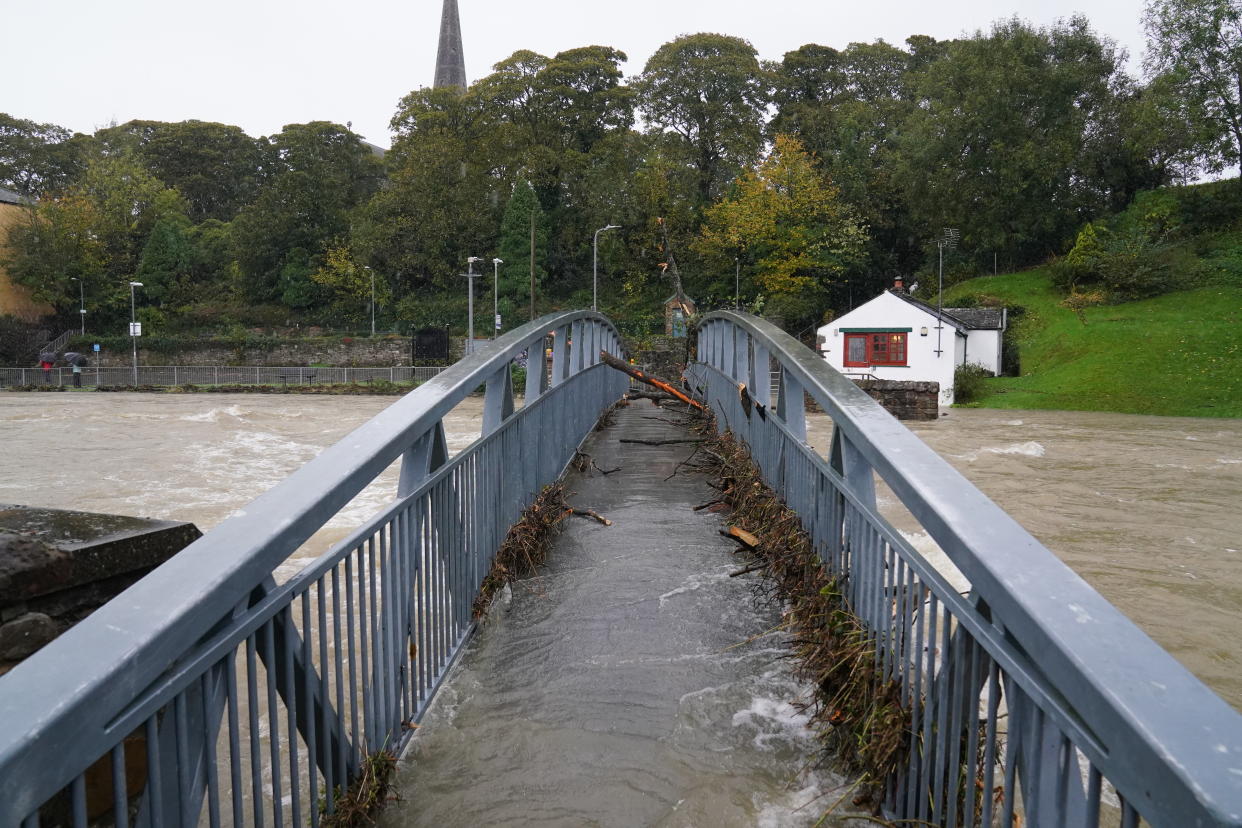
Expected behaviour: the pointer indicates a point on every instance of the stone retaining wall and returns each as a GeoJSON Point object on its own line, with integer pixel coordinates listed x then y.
{"type": "Point", "coordinates": [905, 400]}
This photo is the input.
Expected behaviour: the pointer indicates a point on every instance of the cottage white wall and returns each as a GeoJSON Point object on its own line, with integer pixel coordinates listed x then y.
{"type": "Point", "coordinates": [984, 348]}
{"type": "Point", "coordinates": [887, 311]}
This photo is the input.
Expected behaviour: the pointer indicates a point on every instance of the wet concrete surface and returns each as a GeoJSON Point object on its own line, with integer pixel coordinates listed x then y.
{"type": "Point", "coordinates": [620, 686]}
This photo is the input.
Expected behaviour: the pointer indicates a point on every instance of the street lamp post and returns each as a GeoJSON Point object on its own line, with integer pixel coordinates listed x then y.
{"type": "Point", "coordinates": [949, 240]}
{"type": "Point", "coordinates": [470, 274]}
{"type": "Point", "coordinates": [372, 272]}
{"type": "Point", "coordinates": [595, 264]}
{"type": "Point", "coordinates": [133, 326]}
{"type": "Point", "coordinates": [496, 263]}
{"type": "Point", "coordinates": [737, 283]}
{"type": "Point", "coordinates": [81, 302]}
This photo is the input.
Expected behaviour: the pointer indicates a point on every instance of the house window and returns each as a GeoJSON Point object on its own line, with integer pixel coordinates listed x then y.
{"type": "Point", "coordinates": [875, 348]}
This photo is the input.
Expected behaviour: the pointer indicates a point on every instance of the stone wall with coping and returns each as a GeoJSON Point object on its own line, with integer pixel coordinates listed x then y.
{"type": "Point", "coordinates": [905, 400]}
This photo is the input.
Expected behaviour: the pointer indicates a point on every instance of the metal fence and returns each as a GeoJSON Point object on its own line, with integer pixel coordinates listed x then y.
{"type": "Point", "coordinates": [1030, 699]}
{"type": "Point", "coordinates": [94, 376]}
{"type": "Point", "coordinates": [208, 693]}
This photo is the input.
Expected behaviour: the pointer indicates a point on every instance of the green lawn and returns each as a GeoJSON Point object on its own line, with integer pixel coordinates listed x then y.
{"type": "Point", "coordinates": [1179, 354]}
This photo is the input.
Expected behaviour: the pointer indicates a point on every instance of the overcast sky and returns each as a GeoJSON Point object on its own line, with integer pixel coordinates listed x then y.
{"type": "Point", "coordinates": [261, 64]}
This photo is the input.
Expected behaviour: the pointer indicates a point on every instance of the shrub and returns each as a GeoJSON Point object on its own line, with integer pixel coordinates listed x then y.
{"type": "Point", "coordinates": [968, 382]}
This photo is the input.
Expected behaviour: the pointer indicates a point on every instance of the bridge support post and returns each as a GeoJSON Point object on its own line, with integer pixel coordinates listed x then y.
{"type": "Point", "coordinates": [497, 400]}
{"type": "Point", "coordinates": [560, 350]}
{"type": "Point", "coordinates": [428, 453]}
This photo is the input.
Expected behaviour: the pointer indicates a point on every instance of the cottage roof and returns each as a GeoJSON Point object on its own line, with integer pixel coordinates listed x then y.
{"type": "Point", "coordinates": [10, 197]}
{"type": "Point", "coordinates": [971, 319]}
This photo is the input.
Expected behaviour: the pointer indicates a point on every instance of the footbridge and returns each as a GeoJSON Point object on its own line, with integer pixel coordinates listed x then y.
{"type": "Point", "coordinates": [214, 693]}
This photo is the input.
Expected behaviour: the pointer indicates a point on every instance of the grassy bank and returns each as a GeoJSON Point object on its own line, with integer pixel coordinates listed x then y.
{"type": "Point", "coordinates": [1179, 354]}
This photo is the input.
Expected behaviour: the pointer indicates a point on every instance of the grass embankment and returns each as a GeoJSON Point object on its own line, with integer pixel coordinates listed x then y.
{"type": "Point", "coordinates": [1179, 354]}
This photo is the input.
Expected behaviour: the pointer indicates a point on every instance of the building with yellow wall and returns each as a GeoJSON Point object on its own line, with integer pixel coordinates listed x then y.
{"type": "Point", "coordinates": [14, 299]}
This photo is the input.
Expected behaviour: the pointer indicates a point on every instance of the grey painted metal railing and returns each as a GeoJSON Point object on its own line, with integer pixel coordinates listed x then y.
{"type": "Point", "coordinates": [209, 693]}
{"type": "Point", "coordinates": [95, 376]}
{"type": "Point", "coordinates": [1030, 698]}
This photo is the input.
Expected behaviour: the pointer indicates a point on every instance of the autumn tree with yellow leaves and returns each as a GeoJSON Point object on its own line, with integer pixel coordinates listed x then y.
{"type": "Point", "coordinates": [789, 225]}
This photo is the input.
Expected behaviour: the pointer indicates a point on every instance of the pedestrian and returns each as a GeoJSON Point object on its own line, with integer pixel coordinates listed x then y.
{"type": "Point", "coordinates": [77, 375]}
{"type": "Point", "coordinates": [46, 365]}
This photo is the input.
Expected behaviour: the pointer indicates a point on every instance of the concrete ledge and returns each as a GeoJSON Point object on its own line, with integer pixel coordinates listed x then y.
{"type": "Point", "coordinates": [58, 566]}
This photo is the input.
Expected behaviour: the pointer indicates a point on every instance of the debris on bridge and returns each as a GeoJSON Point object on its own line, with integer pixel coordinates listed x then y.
{"type": "Point", "coordinates": [857, 713]}
{"type": "Point", "coordinates": [526, 545]}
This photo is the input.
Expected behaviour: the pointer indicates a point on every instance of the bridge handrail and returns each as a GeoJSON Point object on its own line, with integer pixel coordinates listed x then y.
{"type": "Point", "coordinates": [1177, 742]}
{"type": "Point", "coordinates": [59, 709]}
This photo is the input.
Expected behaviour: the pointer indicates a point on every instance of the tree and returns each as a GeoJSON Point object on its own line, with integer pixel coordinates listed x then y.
{"type": "Point", "coordinates": [322, 172]}
{"type": "Point", "coordinates": [848, 108]}
{"type": "Point", "coordinates": [1195, 47]}
{"type": "Point", "coordinates": [710, 90]}
{"type": "Point", "coordinates": [166, 260]}
{"type": "Point", "coordinates": [791, 225]}
{"type": "Point", "coordinates": [38, 159]}
{"type": "Point", "coordinates": [217, 168]}
{"type": "Point", "coordinates": [1003, 140]}
{"type": "Point", "coordinates": [522, 225]}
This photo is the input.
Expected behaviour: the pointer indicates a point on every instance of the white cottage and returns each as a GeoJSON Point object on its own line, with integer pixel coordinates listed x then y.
{"type": "Point", "coordinates": [897, 337]}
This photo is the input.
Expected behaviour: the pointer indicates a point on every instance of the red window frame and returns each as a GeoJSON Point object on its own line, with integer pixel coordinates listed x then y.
{"type": "Point", "coordinates": [879, 348]}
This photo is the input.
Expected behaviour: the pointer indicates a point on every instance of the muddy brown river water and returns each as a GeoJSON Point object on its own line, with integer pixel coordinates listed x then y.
{"type": "Point", "coordinates": [1146, 509]}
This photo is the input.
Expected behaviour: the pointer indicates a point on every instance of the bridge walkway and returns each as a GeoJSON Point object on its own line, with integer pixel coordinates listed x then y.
{"type": "Point", "coordinates": [611, 689]}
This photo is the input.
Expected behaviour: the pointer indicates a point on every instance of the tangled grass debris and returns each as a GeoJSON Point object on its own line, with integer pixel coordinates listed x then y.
{"type": "Point", "coordinates": [526, 546]}
{"type": "Point", "coordinates": [857, 712]}
{"type": "Point", "coordinates": [366, 796]}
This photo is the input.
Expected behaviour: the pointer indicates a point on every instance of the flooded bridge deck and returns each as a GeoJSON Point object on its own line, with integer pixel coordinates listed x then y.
{"type": "Point", "coordinates": [630, 681]}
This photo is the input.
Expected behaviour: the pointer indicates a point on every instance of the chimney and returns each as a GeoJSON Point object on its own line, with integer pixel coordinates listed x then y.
{"type": "Point", "coordinates": [898, 286]}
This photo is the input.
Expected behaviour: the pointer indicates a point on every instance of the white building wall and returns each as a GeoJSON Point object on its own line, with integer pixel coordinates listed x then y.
{"type": "Point", "coordinates": [984, 348]}
{"type": "Point", "coordinates": [889, 312]}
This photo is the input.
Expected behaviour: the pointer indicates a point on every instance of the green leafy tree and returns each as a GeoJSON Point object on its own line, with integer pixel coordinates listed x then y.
{"type": "Point", "coordinates": [848, 107]}
{"type": "Point", "coordinates": [1195, 47]}
{"type": "Point", "coordinates": [1002, 141]}
{"type": "Point", "coordinates": [166, 259]}
{"type": "Point", "coordinates": [217, 168]}
{"type": "Point", "coordinates": [39, 159]}
{"type": "Point", "coordinates": [523, 223]}
{"type": "Point", "coordinates": [710, 91]}
{"type": "Point", "coordinates": [322, 172]}
{"type": "Point", "coordinates": [792, 224]}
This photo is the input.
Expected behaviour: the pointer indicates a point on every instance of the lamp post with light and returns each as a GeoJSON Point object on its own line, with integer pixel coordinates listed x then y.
{"type": "Point", "coordinates": [595, 265]}
{"type": "Point", "coordinates": [496, 263]}
{"type": "Point", "coordinates": [949, 240]}
{"type": "Point", "coordinates": [133, 326]}
{"type": "Point", "coordinates": [81, 302]}
{"type": "Point", "coordinates": [470, 275]}
{"type": "Point", "coordinates": [372, 272]}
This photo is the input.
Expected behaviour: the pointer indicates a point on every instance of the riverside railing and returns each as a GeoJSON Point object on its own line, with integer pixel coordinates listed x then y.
{"type": "Point", "coordinates": [209, 693]}
{"type": "Point", "coordinates": [1030, 699]}
{"type": "Point", "coordinates": [95, 376]}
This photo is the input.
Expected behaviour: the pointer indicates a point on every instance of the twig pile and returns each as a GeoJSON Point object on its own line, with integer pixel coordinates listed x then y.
{"type": "Point", "coordinates": [367, 794]}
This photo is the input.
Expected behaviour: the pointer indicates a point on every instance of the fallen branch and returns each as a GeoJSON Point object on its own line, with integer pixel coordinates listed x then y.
{"type": "Point", "coordinates": [682, 463]}
{"type": "Point", "coordinates": [707, 505]}
{"type": "Point", "coordinates": [611, 361]}
{"type": "Point", "coordinates": [604, 472]}
{"type": "Point", "coordinates": [659, 442]}
{"type": "Point", "coordinates": [752, 568]}
{"type": "Point", "coordinates": [587, 513]}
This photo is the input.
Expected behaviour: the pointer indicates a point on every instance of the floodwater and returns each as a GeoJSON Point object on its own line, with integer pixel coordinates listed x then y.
{"type": "Point", "coordinates": [1146, 509]}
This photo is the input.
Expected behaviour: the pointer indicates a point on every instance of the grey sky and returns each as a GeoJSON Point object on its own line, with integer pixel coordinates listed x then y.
{"type": "Point", "coordinates": [261, 64]}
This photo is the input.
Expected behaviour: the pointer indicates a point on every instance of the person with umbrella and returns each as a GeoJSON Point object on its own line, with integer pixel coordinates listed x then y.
{"type": "Point", "coordinates": [46, 360]}
{"type": "Point", "coordinates": [76, 360]}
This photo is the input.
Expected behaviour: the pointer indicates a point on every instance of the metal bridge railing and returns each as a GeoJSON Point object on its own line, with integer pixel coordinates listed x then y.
{"type": "Point", "coordinates": [96, 376]}
{"type": "Point", "coordinates": [208, 693]}
{"type": "Point", "coordinates": [1031, 699]}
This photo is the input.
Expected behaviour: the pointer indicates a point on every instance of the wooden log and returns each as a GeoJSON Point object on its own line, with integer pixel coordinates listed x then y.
{"type": "Point", "coordinates": [611, 361]}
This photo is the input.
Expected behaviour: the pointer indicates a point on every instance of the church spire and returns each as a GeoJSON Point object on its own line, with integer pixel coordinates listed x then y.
{"type": "Point", "coordinates": [450, 63]}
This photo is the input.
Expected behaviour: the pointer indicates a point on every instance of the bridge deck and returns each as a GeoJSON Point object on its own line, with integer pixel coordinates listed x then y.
{"type": "Point", "coordinates": [609, 691]}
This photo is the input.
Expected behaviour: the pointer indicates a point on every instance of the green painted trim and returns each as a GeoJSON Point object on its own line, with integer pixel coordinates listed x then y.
{"type": "Point", "coordinates": [876, 330]}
